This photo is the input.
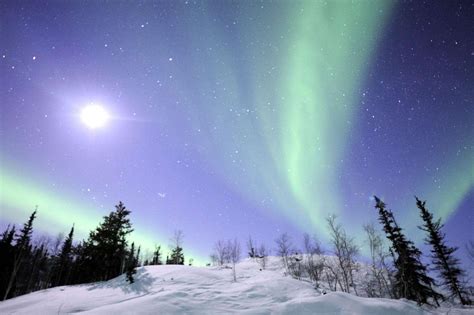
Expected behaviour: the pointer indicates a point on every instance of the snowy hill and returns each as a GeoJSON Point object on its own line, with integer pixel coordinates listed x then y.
{"type": "Point", "coordinates": [206, 290]}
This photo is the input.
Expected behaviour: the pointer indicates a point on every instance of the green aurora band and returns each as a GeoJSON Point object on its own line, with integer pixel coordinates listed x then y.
{"type": "Point", "coordinates": [56, 214]}
{"type": "Point", "coordinates": [298, 139]}
{"type": "Point", "coordinates": [298, 142]}
{"type": "Point", "coordinates": [323, 74]}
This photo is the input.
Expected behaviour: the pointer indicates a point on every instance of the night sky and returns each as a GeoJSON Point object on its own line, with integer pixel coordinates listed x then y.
{"type": "Point", "coordinates": [230, 119]}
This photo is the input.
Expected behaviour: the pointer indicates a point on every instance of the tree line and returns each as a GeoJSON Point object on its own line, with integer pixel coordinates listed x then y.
{"type": "Point", "coordinates": [27, 266]}
{"type": "Point", "coordinates": [395, 269]}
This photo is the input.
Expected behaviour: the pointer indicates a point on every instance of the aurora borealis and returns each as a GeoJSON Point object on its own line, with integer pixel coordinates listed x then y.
{"type": "Point", "coordinates": [231, 119]}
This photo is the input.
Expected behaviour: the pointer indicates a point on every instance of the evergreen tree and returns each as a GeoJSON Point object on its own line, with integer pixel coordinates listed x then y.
{"type": "Point", "coordinates": [6, 257]}
{"type": "Point", "coordinates": [80, 261]}
{"type": "Point", "coordinates": [43, 269]}
{"type": "Point", "coordinates": [410, 279]}
{"type": "Point", "coordinates": [138, 256]}
{"type": "Point", "coordinates": [8, 236]}
{"type": "Point", "coordinates": [442, 255]}
{"type": "Point", "coordinates": [104, 254]}
{"type": "Point", "coordinates": [156, 260]}
{"type": "Point", "coordinates": [131, 265]}
{"type": "Point", "coordinates": [63, 263]}
{"type": "Point", "coordinates": [32, 275]}
{"type": "Point", "coordinates": [177, 256]}
{"type": "Point", "coordinates": [25, 267]}
{"type": "Point", "coordinates": [22, 250]}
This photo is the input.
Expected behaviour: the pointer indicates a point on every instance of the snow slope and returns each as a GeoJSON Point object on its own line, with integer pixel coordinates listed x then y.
{"type": "Point", "coordinates": [206, 290]}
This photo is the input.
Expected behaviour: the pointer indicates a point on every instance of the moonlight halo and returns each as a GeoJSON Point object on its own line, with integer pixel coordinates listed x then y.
{"type": "Point", "coordinates": [94, 116]}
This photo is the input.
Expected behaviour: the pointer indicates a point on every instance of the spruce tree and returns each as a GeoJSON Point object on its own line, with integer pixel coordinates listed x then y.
{"type": "Point", "coordinates": [63, 263]}
{"type": "Point", "coordinates": [131, 265]}
{"type": "Point", "coordinates": [80, 261]}
{"type": "Point", "coordinates": [33, 271]}
{"type": "Point", "coordinates": [8, 235]}
{"type": "Point", "coordinates": [442, 255]}
{"type": "Point", "coordinates": [410, 280]}
{"type": "Point", "coordinates": [104, 255]}
{"type": "Point", "coordinates": [138, 256]}
{"type": "Point", "coordinates": [6, 257]}
{"type": "Point", "coordinates": [22, 250]}
{"type": "Point", "coordinates": [177, 256]}
{"type": "Point", "coordinates": [156, 260]}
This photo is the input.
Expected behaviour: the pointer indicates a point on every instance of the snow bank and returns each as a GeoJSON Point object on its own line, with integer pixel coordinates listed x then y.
{"type": "Point", "coordinates": [205, 290]}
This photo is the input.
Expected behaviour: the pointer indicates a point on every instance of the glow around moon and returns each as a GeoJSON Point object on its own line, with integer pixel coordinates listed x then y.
{"type": "Point", "coordinates": [94, 116]}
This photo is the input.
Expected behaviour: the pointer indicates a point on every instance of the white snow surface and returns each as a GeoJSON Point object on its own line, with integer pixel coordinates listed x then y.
{"type": "Point", "coordinates": [170, 289]}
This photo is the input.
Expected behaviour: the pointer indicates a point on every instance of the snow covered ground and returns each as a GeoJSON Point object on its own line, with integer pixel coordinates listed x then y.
{"type": "Point", "coordinates": [206, 290]}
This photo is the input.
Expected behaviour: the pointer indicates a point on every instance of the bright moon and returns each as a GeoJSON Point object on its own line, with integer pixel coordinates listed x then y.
{"type": "Point", "coordinates": [94, 116]}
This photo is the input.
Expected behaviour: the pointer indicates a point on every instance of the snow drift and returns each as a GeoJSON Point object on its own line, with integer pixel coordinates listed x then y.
{"type": "Point", "coordinates": [172, 289]}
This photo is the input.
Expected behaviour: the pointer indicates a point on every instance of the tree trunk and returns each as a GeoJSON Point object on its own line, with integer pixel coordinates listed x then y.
{"type": "Point", "coordinates": [235, 276]}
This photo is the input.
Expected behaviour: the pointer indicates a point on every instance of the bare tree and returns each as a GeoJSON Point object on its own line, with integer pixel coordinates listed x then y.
{"type": "Point", "coordinates": [234, 254]}
{"type": "Point", "coordinates": [214, 259]}
{"type": "Point", "coordinates": [345, 250]}
{"type": "Point", "coordinates": [262, 255]}
{"type": "Point", "coordinates": [251, 247]}
{"type": "Point", "coordinates": [332, 276]}
{"type": "Point", "coordinates": [284, 248]}
{"type": "Point", "coordinates": [314, 259]}
{"type": "Point", "coordinates": [55, 246]}
{"type": "Point", "coordinates": [177, 239]}
{"type": "Point", "coordinates": [378, 284]}
{"type": "Point", "coordinates": [295, 265]}
{"type": "Point", "coordinates": [221, 253]}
